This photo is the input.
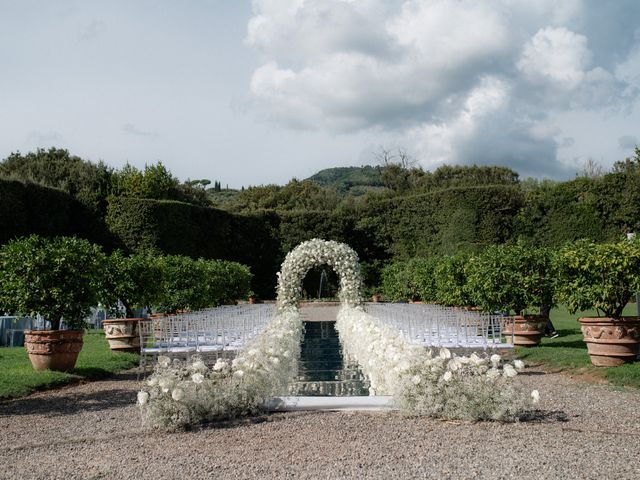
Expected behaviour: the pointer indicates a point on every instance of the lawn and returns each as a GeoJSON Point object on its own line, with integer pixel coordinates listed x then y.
{"type": "Point", "coordinates": [568, 352]}
{"type": "Point", "coordinates": [17, 377]}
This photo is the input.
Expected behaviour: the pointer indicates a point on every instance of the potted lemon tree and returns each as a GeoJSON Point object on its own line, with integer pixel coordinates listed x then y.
{"type": "Point", "coordinates": [517, 280]}
{"type": "Point", "coordinates": [450, 280]}
{"type": "Point", "coordinates": [129, 283]}
{"type": "Point", "coordinates": [58, 280]}
{"type": "Point", "coordinates": [602, 277]}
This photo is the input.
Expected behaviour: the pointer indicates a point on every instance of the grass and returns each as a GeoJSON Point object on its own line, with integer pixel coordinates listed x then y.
{"type": "Point", "coordinates": [568, 352]}
{"type": "Point", "coordinates": [18, 378]}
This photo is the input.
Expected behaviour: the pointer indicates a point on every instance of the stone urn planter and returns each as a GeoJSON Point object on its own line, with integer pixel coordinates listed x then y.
{"type": "Point", "coordinates": [527, 330]}
{"type": "Point", "coordinates": [123, 334]}
{"type": "Point", "coordinates": [53, 349]}
{"type": "Point", "coordinates": [611, 341]}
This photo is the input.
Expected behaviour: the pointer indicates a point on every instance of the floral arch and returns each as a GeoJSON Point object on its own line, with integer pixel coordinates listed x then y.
{"type": "Point", "coordinates": [339, 256]}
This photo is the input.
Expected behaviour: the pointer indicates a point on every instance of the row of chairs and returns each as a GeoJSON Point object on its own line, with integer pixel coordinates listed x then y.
{"type": "Point", "coordinates": [211, 333]}
{"type": "Point", "coordinates": [439, 326]}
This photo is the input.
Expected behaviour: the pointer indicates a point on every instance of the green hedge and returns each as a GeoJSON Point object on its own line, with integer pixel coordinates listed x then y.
{"type": "Point", "coordinates": [188, 284]}
{"type": "Point", "coordinates": [177, 228]}
{"type": "Point", "coordinates": [28, 208]}
{"type": "Point", "coordinates": [445, 221]}
{"type": "Point", "coordinates": [410, 280]}
{"type": "Point", "coordinates": [423, 225]}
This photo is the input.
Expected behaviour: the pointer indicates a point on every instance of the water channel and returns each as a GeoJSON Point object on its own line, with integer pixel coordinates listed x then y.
{"type": "Point", "coordinates": [323, 369]}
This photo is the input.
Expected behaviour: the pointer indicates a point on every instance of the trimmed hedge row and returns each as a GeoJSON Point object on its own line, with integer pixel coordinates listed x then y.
{"type": "Point", "coordinates": [447, 221]}
{"type": "Point", "coordinates": [177, 228]}
{"type": "Point", "coordinates": [406, 227]}
{"type": "Point", "coordinates": [28, 208]}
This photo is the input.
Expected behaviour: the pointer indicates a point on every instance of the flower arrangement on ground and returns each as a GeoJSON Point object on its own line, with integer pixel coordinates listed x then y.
{"type": "Point", "coordinates": [440, 384]}
{"type": "Point", "coordinates": [180, 394]}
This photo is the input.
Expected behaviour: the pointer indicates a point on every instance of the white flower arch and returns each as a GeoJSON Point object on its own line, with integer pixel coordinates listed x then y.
{"type": "Point", "coordinates": [342, 258]}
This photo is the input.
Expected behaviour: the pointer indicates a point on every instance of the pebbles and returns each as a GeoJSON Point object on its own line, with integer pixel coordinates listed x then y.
{"type": "Point", "coordinates": [94, 431]}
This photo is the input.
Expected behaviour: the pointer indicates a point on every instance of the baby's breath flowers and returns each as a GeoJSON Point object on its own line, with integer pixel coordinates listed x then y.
{"type": "Point", "coordinates": [179, 394]}
{"type": "Point", "coordinates": [439, 384]}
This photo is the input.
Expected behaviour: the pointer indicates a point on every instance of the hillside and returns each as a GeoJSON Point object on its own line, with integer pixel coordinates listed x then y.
{"type": "Point", "coordinates": [355, 180]}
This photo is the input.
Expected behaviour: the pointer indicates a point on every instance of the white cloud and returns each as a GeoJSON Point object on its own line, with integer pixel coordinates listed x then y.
{"type": "Point", "coordinates": [555, 56]}
{"type": "Point", "coordinates": [446, 76]}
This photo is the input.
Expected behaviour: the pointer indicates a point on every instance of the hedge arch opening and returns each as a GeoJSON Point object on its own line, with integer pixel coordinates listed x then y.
{"type": "Point", "coordinates": [339, 256]}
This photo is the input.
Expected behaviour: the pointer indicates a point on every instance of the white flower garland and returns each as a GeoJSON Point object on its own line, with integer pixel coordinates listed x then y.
{"type": "Point", "coordinates": [441, 385]}
{"type": "Point", "coordinates": [342, 258]}
{"type": "Point", "coordinates": [383, 355]}
{"type": "Point", "coordinates": [179, 394]}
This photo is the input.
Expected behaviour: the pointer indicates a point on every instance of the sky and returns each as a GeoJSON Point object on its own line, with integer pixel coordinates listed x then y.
{"type": "Point", "coordinates": [251, 93]}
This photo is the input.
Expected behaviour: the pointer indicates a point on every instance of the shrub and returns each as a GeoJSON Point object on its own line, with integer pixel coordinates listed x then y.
{"type": "Point", "coordinates": [189, 284]}
{"type": "Point", "coordinates": [178, 228]}
{"type": "Point", "coordinates": [56, 278]}
{"type": "Point", "coordinates": [599, 276]}
{"type": "Point", "coordinates": [133, 280]}
{"type": "Point", "coordinates": [511, 278]}
{"type": "Point", "coordinates": [410, 280]}
{"type": "Point", "coordinates": [450, 279]}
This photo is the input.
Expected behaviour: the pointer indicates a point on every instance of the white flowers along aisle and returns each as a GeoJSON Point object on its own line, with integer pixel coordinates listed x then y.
{"type": "Point", "coordinates": [178, 394]}
{"type": "Point", "coordinates": [437, 385]}
{"type": "Point", "coordinates": [443, 385]}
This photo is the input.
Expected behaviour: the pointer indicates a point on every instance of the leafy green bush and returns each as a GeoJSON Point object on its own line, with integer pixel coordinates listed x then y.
{"type": "Point", "coordinates": [56, 278]}
{"type": "Point", "coordinates": [450, 280]}
{"type": "Point", "coordinates": [511, 278]}
{"type": "Point", "coordinates": [133, 280]}
{"type": "Point", "coordinates": [189, 284]}
{"type": "Point", "coordinates": [598, 276]}
{"type": "Point", "coordinates": [410, 280]}
{"type": "Point", "coordinates": [156, 182]}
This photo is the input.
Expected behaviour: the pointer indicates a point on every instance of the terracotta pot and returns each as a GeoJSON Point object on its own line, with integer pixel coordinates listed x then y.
{"type": "Point", "coordinates": [527, 330]}
{"type": "Point", "coordinates": [611, 341]}
{"type": "Point", "coordinates": [253, 300]}
{"type": "Point", "coordinates": [122, 334]}
{"type": "Point", "coordinates": [376, 298]}
{"type": "Point", "coordinates": [53, 349]}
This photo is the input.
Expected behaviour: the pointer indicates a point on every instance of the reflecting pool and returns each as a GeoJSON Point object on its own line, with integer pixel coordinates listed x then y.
{"type": "Point", "coordinates": [322, 369]}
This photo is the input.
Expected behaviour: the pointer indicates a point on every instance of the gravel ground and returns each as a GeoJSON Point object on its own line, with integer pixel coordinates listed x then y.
{"type": "Point", "coordinates": [93, 431]}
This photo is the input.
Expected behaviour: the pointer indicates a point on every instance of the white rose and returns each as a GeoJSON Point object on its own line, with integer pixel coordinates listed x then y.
{"type": "Point", "coordinates": [535, 396]}
{"type": "Point", "coordinates": [238, 374]}
{"type": "Point", "coordinates": [143, 398]}
{"type": "Point", "coordinates": [493, 373]}
{"type": "Point", "coordinates": [447, 376]}
{"type": "Point", "coordinates": [197, 378]}
{"type": "Point", "coordinates": [495, 359]}
{"type": "Point", "coordinates": [177, 394]}
{"type": "Point", "coordinates": [165, 384]}
{"type": "Point", "coordinates": [416, 379]}
{"type": "Point", "coordinates": [519, 364]}
{"type": "Point", "coordinates": [509, 371]}
{"type": "Point", "coordinates": [198, 366]}
{"type": "Point", "coordinates": [220, 365]}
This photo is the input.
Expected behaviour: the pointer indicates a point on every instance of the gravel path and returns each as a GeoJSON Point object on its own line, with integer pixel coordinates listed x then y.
{"type": "Point", "coordinates": [93, 431]}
